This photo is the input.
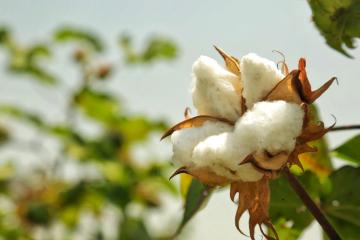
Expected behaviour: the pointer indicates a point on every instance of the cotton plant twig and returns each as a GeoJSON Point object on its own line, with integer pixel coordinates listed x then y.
{"type": "Point", "coordinates": [346, 127]}
{"type": "Point", "coordinates": [311, 205]}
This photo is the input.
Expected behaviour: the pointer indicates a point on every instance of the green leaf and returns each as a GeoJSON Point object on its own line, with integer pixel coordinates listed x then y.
{"type": "Point", "coordinates": [38, 50]}
{"type": "Point", "coordinates": [338, 22]}
{"type": "Point", "coordinates": [287, 211]}
{"type": "Point", "coordinates": [22, 115]}
{"type": "Point", "coordinates": [65, 34]}
{"type": "Point", "coordinates": [350, 150]}
{"type": "Point", "coordinates": [342, 204]}
{"type": "Point", "coordinates": [4, 135]}
{"type": "Point", "coordinates": [133, 229]}
{"type": "Point", "coordinates": [157, 48]}
{"type": "Point", "coordinates": [38, 213]}
{"type": "Point", "coordinates": [197, 195]}
{"type": "Point", "coordinates": [26, 61]}
{"type": "Point", "coordinates": [4, 34]}
{"type": "Point", "coordinates": [98, 105]}
{"type": "Point", "coordinates": [138, 128]}
{"type": "Point", "coordinates": [40, 74]}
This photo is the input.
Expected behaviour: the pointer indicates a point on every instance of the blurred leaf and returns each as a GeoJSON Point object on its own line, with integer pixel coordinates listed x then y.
{"type": "Point", "coordinates": [287, 211]}
{"type": "Point", "coordinates": [106, 147]}
{"type": "Point", "coordinates": [342, 203]}
{"type": "Point", "coordinates": [6, 171]}
{"type": "Point", "coordinates": [338, 22]}
{"type": "Point", "coordinates": [4, 135]}
{"type": "Point", "coordinates": [285, 229]}
{"type": "Point", "coordinates": [350, 150]}
{"type": "Point", "coordinates": [22, 115]}
{"type": "Point", "coordinates": [157, 48]}
{"type": "Point", "coordinates": [114, 172]}
{"type": "Point", "coordinates": [197, 195]}
{"type": "Point", "coordinates": [72, 34]}
{"type": "Point", "coordinates": [73, 195]}
{"type": "Point", "coordinates": [26, 60]}
{"type": "Point", "coordinates": [40, 74]}
{"type": "Point", "coordinates": [38, 50]}
{"type": "Point", "coordinates": [185, 183]}
{"type": "Point", "coordinates": [4, 34]}
{"type": "Point", "coordinates": [125, 42]}
{"type": "Point", "coordinates": [118, 194]}
{"type": "Point", "coordinates": [157, 175]}
{"type": "Point", "coordinates": [38, 213]}
{"type": "Point", "coordinates": [137, 128]}
{"type": "Point", "coordinates": [133, 229]}
{"type": "Point", "coordinates": [98, 105]}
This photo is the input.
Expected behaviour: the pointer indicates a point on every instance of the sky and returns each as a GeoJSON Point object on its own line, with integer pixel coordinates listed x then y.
{"type": "Point", "coordinates": [162, 89]}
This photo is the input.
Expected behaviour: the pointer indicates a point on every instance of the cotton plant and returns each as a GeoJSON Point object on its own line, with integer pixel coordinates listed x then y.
{"type": "Point", "coordinates": [253, 121]}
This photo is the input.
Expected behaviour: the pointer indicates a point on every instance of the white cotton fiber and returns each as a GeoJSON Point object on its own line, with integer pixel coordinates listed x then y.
{"type": "Point", "coordinates": [271, 126]}
{"type": "Point", "coordinates": [222, 154]}
{"type": "Point", "coordinates": [265, 126]}
{"type": "Point", "coordinates": [259, 76]}
{"type": "Point", "coordinates": [184, 140]}
{"type": "Point", "coordinates": [215, 90]}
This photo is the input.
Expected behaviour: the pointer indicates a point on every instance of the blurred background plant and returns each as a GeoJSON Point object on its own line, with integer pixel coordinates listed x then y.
{"type": "Point", "coordinates": [108, 182]}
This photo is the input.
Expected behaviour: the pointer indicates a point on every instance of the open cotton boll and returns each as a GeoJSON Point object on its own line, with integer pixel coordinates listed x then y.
{"type": "Point", "coordinates": [271, 126]}
{"type": "Point", "coordinates": [258, 75]}
{"type": "Point", "coordinates": [215, 91]}
{"type": "Point", "coordinates": [184, 140]}
{"type": "Point", "coordinates": [222, 154]}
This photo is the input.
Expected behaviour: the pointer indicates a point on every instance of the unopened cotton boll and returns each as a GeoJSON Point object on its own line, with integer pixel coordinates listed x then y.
{"type": "Point", "coordinates": [258, 75]}
{"type": "Point", "coordinates": [185, 140]}
{"type": "Point", "coordinates": [215, 91]}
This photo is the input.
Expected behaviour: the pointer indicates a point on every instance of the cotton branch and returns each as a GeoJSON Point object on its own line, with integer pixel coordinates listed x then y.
{"type": "Point", "coordinates": [346, 127]}
{"type": "Point", "coordinates": [311, 205]}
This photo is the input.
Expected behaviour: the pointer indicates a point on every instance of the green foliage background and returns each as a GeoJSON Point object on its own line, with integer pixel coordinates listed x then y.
{"type": "Point", "coordinates": [120, 182]}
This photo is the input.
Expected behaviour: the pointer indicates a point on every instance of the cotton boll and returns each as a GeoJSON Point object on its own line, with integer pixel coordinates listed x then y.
{"type": "Point", "coordinates": [215, 91]}
{"type": "Point", "coordinates": [184, 140]}
{"type": "Point", "coordinates": [258, 75]}
{"type": "Point", "coordinates": [222, 154]}
{"type": "Point", "coordinates": [271, 126]}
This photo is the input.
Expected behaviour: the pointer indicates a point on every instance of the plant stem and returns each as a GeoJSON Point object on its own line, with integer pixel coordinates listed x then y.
{"type": "Point", "coordinates": [311, 205]}
{"type": "Point", "coordinates": [347, 127]}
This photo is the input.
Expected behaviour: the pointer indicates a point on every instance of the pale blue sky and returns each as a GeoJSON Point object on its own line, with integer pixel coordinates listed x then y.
{"type": "Point", "coordinates": [238, 27]}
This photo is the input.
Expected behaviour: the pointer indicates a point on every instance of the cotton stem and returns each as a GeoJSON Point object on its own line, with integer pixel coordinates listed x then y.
{"type": "Point", "coordinates": [346, 127]}
{"type": "Point", "coordinates": [311, 205]}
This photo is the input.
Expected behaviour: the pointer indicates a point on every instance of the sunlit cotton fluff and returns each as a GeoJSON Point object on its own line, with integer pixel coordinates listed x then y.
{"type": "Point", "coordinates": [258, 75]}
{"type": "Point", "coordinates": [185, 140]}
{"type": "Point", "coordinates": [215, 90]}
{"type": "Point", "coordinates": [271, 126]}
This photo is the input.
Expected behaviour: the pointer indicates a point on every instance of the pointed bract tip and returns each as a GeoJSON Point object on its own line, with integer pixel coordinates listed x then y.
{"type": "Point", "coordinates": [178, 171]}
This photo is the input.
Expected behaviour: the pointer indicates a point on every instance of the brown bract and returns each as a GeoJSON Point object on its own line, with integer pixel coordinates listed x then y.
{"type": "Point", "coordinates": [255, 196]}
